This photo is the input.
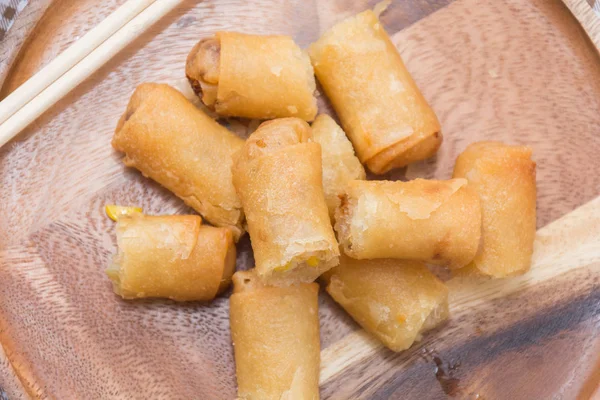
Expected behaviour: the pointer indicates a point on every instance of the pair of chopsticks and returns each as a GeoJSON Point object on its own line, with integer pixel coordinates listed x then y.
{"type": "Point", "coordinates": [77, 63]}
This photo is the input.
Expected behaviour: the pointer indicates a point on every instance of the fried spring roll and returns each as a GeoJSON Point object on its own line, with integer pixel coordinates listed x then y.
{"type": "Point", "coordinates": [433, 221]}
{"type": "Point", "coordinates": [172, 142]}
{"type": "Point", "coordinates": [381, 109]}
{"type": "Point", "coordinates": [173, 257]}
{"type": "Point", "coordinates": [277, 175]}
{"type": "Point", "coordinates": [395, 300]}
{"type": "Point", "coordinates": [275, 333]}
{"type": "Point", "coordinates": [504, 178]}
{"type": "Point", "coordinates": [253, 76]}
{"type": "Point", "coordinates": [340, 165]}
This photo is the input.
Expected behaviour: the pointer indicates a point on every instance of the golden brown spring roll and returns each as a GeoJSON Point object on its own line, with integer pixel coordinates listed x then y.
{"type": "Point", "coordinates": [340, 165]}
{"type": "Point", "coordinates": [275, 333]}
{"type": "Point", "coordinates": [504, 178]}
{"type": "Point", "coordinates": [253, 76]}
{"type": "Point", "coordinates": [277, 175]}
{"type": "Point", "coordinates": [173, 256]}
{"type": "Point", "coordinates": [171, 141]}
{"type": "Point", "coordinates": [380, 107]}
{"type": "Point", "coordinates": [438, 222]}
{"type": "Point", "coordinates": [395, 300]}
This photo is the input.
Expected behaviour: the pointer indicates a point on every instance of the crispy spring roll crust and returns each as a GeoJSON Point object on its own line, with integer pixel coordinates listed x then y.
{"type": "Point", "coordinates": [171, 256]}
{"type": "Point", "coordinates": [340, 165]}
{"type": "Point", "coordinates": [277, 175]}
{"type": "Point", "coordinates": [380, 107]}
{"type": "Point", "coordinates": [172, 142]}
{"type": "Point", "coordinates": [434, 221]}
{"type": "Point", "coordinates": [253, 76]}
{"type": "Point", "coordinates": [395, 300]}
{"type": "Point", "coordinates": [275, 333]}
{"type": "Point", "coordinates": [504, 178]}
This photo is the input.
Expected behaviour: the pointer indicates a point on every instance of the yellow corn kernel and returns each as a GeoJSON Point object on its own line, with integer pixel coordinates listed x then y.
{"type": "Point", "coordinates": [283, 268]}
{"type": "Point", "coordinates": [312, 261]}
{"type": "Point", "coordinates": [114, 212]}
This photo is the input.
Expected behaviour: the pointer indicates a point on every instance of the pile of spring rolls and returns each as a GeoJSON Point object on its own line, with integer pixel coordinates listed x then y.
{"type": "Point", "coordinates": [301, 193]}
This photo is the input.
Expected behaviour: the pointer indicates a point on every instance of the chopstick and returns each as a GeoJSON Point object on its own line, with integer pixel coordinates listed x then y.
{"type": "Point", "coordinates": [77, 63]}
{"type": "Point", "coordinates": [81, 48]}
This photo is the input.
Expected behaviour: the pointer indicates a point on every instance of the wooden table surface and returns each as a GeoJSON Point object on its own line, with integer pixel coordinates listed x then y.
{"type": "Point", "coordinates": [522, 71]}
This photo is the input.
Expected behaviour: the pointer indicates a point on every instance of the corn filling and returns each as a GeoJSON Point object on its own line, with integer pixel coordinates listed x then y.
{"type": "Point", "coordinates": [114, 212]}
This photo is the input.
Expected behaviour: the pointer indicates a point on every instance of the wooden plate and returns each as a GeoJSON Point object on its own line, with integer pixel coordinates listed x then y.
{"type": "Point", "coordinates": [522, 71]}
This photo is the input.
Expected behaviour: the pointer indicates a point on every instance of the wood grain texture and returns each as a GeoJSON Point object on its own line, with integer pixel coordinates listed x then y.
{"type": "Point", "coordinates": [502, 89]}
{"type": "Point", "coordinates": [587, 18]}
{"type": "Point", "coordinates": [18, 34]}
{"type": "Point", "coordinates": [522, 71]}
{"type": "Point", "coordinates": [42, 41]}
{"type": "Point", "coordinates": [569, 271]}
{"type": "Point", "coordinates": [10, 385]}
